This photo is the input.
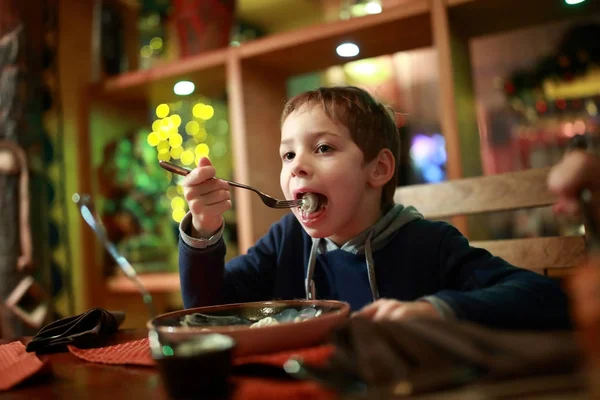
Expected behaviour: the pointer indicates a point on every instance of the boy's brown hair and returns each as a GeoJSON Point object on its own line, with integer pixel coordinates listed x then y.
{"type": "Point", "coordinates": [372, 125]}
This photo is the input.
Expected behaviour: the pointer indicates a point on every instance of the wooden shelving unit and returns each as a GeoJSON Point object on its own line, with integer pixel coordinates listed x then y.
{"type": "Point", "coordinates": [154, 282]}
{"type": "Point", "coordinates": [207, 71]}
{"type": "Point", "coordinates": [254, 76]}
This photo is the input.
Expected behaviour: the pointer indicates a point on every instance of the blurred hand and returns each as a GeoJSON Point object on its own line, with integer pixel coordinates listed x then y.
{"type": "Point", "coordinates": [576, 171]}
{"type": "Point", "coordinates": [207, 199]}
{"type": "Point", "coordinates": [584, 289]}
{"type": "Point", "coordinates": [394, 310]}
{"type": "Point", "coordinates": [24, 264]}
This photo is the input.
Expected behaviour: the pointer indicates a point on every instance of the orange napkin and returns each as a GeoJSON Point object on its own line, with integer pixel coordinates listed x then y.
{"type": "Point", "coordinates": [16, 364]}
{"type": "Point", "coordinates": [136, 352]}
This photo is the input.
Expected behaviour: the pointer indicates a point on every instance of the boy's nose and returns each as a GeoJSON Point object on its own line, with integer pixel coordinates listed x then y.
{"type": "Point", "coordinates": [300, 167]}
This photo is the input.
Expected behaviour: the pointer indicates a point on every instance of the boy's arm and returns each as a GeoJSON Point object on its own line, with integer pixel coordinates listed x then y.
{"type": "Point", "coordinates": [486, 289]}
{"type": "Point", "coordinates": [206, 280]}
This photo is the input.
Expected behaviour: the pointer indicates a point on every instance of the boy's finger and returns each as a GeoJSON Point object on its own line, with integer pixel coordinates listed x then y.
{"type": "Point", "coordinates": [212, 185]}
{"type": "Point", "coordinates": [204, 162]}
{"type": "Point", "coordinates": [199, 175]}
{"type": "Point", "coordinates": [367, 311]}
{"type": "Point", "coordinates": [384, 311]}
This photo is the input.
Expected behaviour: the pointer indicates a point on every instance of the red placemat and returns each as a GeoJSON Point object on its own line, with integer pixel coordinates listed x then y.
{"type": "Point", "coordinates": [136, 352]}
{"type": "Point", "coordinates": [16, 364]}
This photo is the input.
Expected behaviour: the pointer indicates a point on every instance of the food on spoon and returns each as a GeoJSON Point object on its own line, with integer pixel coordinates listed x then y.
{"type": "Point", "coordinates": [310, 202]}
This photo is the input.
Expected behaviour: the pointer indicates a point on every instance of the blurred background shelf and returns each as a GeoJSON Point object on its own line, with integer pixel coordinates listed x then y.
{"type": "Point", "coordinates": [154, 282]}
{"type": "Point", "coordinates": [310, 49]}
{"type": "Point", "coordinates": [206, 70]}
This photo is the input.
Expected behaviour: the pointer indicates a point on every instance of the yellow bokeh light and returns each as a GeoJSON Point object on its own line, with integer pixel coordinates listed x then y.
{"type": "Point", "coordinates": [175, 140]}
{"type": "Point", "coordinates": [146, 51]}
{"type": "Point", "coordinates": [164, 155]}
{"type": "Point", "coordinates": [201, 135]}
{"type": "Point", "coordinates": [176, 152]}
{"type": "Point", "coordinates": [192, 128]}
{"type": "Point", "coordinates": [187, 157]}
{"type": "Point", "coordinates": [175, 120]}
{"type": "Point", "coordinates": [163, 134]}
{"type": "Point", "coordinates": [202, 150]}
{"type": "Point", "coordinates": [153, 139]}
{"type": "Point", "coordinates": [156, 43]}
{"type": "Point", "coordinates": [179, 189]}
{"type": "Point", "coordinates": [197, 109]}
{"type": "Point", "coordinates": [156, 125]}
{"type": "Point", "coordinates": [207, 112]}
{"type": "Point", "coordinates": [178, 214]}
{"type": "Point", "coordinates": [162, 110]}
{"type": "Point", "coordinates": [203, 111]}
{"type": "Point", "coordinates": [171, 192]}
{"type": "Point", "coordinates": [163, 145]}
{"type": "Point", "coordinates": [177, 202]}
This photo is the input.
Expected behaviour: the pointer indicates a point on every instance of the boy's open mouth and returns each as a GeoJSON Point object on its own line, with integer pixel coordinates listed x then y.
{"type": "Point", "coordinates": [314, 204]}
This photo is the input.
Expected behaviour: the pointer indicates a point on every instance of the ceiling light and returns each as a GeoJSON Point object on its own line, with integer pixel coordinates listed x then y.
{"type": "Point", "coordinates": [347, 50]}
{"type": "Point", "coordinates": [183, 88]}
{"type": "Point", "coordinates": [573, 2]}
{"type": "Point", "coordinates": [373, 8]}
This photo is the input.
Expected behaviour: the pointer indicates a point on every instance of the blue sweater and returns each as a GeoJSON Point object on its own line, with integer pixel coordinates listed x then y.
{"type": "Point", "coordinates": [422, 258]}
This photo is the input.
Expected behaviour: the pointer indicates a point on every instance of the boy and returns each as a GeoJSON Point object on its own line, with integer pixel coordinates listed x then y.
{"type": "Point", "coordinates": [382, 258]}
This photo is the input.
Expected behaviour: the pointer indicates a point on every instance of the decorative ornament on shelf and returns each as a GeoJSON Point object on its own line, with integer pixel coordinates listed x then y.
{"type": "Point", "coordinates": [565, 82]}
{"type": "Point", "coordinates": [202, 25]}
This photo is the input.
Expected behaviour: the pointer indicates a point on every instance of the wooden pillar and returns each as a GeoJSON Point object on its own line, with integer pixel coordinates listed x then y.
{"type": "Point", "coordinates": [255, 110]}
{"type": "Point", "coordinates": [239, 147]}
{"type": "Point", "coordinates": [458, 113]}
{"type": "Point", "coordinates": [75, 69]}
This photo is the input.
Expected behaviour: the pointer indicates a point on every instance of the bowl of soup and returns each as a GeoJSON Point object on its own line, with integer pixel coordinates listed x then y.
{"type": "Point", "coordinates": [257, 327]}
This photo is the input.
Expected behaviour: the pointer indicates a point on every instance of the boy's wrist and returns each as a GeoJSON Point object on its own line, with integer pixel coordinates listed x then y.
{"type": "Point", "coordinates": [186, 233]}
{"type": "Point", "coordinates": [205, 229]}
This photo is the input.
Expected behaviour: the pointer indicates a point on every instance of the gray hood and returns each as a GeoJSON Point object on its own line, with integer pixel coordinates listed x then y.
{"type": "Point", "coordinates": [368, 241]}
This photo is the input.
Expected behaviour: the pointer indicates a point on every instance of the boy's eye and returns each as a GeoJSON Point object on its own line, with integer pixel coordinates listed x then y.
{"type": "Point", "coordinates": [288, 156]}
{"type": "Point", "coordinates": [324, 148]}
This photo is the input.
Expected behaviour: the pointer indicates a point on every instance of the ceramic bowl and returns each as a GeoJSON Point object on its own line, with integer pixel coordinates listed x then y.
{"type": "Point", "coordinates": [267, 339]}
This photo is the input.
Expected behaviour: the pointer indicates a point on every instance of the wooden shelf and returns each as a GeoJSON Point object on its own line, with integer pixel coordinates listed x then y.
{"type": "Point", "coordinates": [313, 48]}
{"type": "Point", "coordinates": [296, 52]}
{"type": "Point", "coordinates": [166, 282]}
{"type": "Point", "coordinates": [206, 70]}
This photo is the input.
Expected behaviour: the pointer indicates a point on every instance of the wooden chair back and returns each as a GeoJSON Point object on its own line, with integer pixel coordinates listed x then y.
{"type": "Point", "coordinates": [552, 256]}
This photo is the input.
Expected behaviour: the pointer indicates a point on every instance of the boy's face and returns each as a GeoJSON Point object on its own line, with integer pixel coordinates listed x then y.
{"type": "Point", "coordinates": [319, 156]}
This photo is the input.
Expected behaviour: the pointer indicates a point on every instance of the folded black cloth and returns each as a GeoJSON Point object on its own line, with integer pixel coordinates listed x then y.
{"type": "Point", "coordinates": [90, 329]}
{"type": "Point", "coordinates": [429, 354]}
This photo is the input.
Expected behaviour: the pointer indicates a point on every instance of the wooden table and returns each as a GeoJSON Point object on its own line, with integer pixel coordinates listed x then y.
{"type": "Point", "coordinates": [69, 377]}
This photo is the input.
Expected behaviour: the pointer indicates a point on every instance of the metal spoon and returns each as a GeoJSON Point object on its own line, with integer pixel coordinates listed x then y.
{"type": "Point", "coordinates": [87, 210]}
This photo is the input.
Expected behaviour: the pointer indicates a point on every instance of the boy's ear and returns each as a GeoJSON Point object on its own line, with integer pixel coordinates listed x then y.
{"type": "Point", "coordinates": [382, 168]}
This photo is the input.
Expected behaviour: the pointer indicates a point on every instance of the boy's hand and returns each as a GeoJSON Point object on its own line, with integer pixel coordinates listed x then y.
{"type": "Point", "coordinates": [394, 310]}
{"type": "Point", "coordinates": [207, 199]}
